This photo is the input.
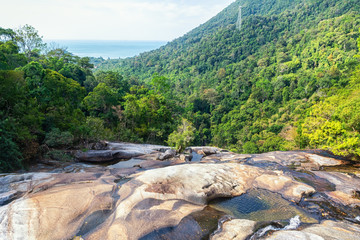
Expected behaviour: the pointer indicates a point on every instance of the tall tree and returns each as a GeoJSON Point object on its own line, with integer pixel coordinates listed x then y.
{"type": "Point", "coordinates": [28, 39]}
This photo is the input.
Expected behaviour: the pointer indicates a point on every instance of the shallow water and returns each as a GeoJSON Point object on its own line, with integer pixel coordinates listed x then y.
{"type": "Point", "coordinates": [196, 157]}
{"type": "Point", "coordinates": [261, 205]}
{"type": "Point", "coordinates": [196, 226]}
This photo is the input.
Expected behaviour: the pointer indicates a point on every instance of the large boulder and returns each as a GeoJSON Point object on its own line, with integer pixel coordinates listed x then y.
{"type": "Point", "coordinates": [170, 153]}
{"type": "Point", "coordinates": [204, 150]}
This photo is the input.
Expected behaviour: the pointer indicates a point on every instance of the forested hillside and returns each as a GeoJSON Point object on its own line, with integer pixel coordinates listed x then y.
{"type": "Point", "coordinates": [288, 79]}
{"type": "Point", "coordinates": [273, 84]}
{"type": "Point", "coordinates": [51, 101]}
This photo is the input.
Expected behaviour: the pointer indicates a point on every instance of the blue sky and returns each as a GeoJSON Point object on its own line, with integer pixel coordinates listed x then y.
{"type": "Point", "coordinates": [110, 19]}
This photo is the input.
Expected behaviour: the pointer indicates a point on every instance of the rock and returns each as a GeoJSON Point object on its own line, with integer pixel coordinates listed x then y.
{"type": "Point", "coordinates": [325, 230]}
{"type": "Point", "coordinates": [22, 183]}
{"type": "Point", "coordinates": [93, 201]}
{"type": "Point", "coordinates": [323, 161]}
{"type": "Point", "coordinates": [185, 158]}
{"type": "Point", "coordinates": [119, 203]}
{"type": "Point", "coordinates": [277, 182]}
{"type": "Point", "coordinates": [298, 160]}
{"type": "Point", "coordinates": [204, 150]}
{"type": "Point", "coordinates": [119, 151]}
{"type": "Point", "coordinates": [99, 156]}
{"type": "Point", "coordinates": [170, 153]}
{"type": "Point", "coordinates": [236, 229]}
{"type": "Point", "coordinates": [143, 148]}
{"type": "Point", "coordinates": [101, 145]}
{"type": "Point", "coordinates": [127, 164]}
{"type": "Point", "coordinates": [193, 184]}
{"type": "Point", "coordinates": [227, 156]}
{"type": "Point", "coordinates": [65, 201]}
{"type": "Point", "coordinates": [7, 197]}
{"type": "Point", "coordinates": [347, 187]}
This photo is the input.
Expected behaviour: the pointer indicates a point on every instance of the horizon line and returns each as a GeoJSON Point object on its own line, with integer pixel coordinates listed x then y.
{"type": "Point", "coordinates": [124, 40]}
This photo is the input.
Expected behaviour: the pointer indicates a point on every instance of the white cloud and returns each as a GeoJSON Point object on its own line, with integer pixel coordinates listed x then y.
{"type": "Point", "coordinates": [110, 19]}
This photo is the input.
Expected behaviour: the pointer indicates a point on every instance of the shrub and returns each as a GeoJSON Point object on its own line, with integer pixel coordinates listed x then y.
{"type": "Point", "coordinates": [56, 138]}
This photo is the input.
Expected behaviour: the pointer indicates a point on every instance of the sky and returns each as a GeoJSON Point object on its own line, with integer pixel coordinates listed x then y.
{"type": "Point", "coordinates": [156, 20]}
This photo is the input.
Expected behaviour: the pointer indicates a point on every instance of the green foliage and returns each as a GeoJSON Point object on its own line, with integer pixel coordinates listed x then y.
{"type": "Point", "coordinates": [289, 79]}
{"type": "Point", "coordinates": [100, 100]}
{"type": "Point", "coordinates": [148, 115]}
{"type": "Point", "coordinates": [59, 155]}
{"type": "Point", "coordinates": [250, 147]}
{"type": "Point", "coordinates": [334, 123]}
{"type": "Point", "coordinates": [10, 155]}
{"type": "Point", "coordinates": [9, 57]}
{"type": "Point", "coordinates": [93, 130]}
{"type": "Point", "coordinates": [56, 138]}
{"type": "Point", "coordinates": [183, 136]}
{"type": "Point", "coordinates": [249, 90]}
{"type": "Point", "coordinates": [29, 40]}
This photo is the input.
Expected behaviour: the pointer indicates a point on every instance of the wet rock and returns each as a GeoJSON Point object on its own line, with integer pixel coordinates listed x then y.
{"type": "Point", "coordinates": [236, 229]}
{"type": "Point", "coordinates": [7, 197]}
{"type": "Point", "coordinates": [325, 230]}
{"type": "Point", "coordinates": [170, 153]}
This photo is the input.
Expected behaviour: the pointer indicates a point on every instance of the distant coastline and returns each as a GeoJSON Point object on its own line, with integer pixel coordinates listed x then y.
{"type": "Point", "coordinates": [112, 49]}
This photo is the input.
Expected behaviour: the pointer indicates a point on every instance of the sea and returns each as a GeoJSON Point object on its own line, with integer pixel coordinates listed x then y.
{"type": "Point", "coordinates": [107, 49]}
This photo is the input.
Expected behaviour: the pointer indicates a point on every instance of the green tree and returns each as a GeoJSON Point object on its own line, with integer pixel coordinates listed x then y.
{"type": "Point", "coordinates": [100, 101]}
{"type": "Point", "coordinates": [29, 40]}
{"type": "Point", "coordinates": [182, 137]}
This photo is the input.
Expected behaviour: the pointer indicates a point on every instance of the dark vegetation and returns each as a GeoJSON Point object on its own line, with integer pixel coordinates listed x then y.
{"type": "Point", "coordinates": [288, 79]}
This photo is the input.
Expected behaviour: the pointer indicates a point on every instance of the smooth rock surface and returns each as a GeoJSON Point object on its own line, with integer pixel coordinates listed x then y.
{"type": "Point", "coordinates": [119, 202]}
{"type": "Point", "coordinates": [236, 229]}
{"type": "Point", "coordinates": [170, 153]}
{"type": "Point", "coordinates": [347, 187]}
{"type": "Point", "coordinates": [326, 230]}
